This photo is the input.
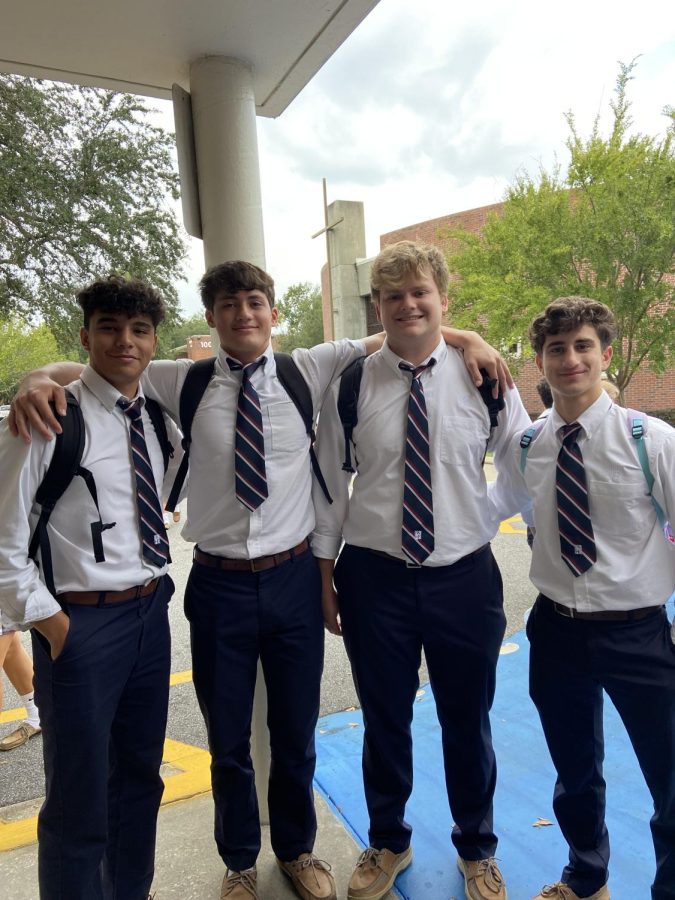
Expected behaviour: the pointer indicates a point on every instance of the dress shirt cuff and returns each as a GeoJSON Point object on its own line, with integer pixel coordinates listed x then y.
{"type": "Point", "coordinates": [325, 547]}
{"type": "Point", "coordinates": [16, 616]}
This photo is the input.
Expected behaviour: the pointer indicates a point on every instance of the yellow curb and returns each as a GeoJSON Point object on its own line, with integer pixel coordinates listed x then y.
{"type": "Point", "coordinates": [13, 715]}
{"type": "Point", "coordinates": [192, 779]}
{"type": "Point", "coordinates": [514, 525]}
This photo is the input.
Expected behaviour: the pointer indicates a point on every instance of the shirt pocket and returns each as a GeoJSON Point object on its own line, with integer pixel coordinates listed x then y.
{"type": "Point", "coordinates": [463, 441]}
{"type": "Point", "coordinates": [619, 509]}
{"type": "Point", "coordinates": [286, 428]}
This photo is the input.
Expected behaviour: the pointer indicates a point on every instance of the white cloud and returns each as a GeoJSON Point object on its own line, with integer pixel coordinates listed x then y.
{"type": "Point", "coordinates": [432, 108]}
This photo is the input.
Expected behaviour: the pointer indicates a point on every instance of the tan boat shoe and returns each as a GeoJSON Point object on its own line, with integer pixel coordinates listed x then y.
{"type": "Point", "coordinates": [562, 891]}
{"type": "Point", "coordinates": [482, 879]}
{"type": "Point", "coordinates": [240, 885]}
{"type": "Point", "coordinates": [19, 736]}
{"type": "Point", "coordinates": [310, 877]}
{"type": "Point", "coordinates": [376, 872]}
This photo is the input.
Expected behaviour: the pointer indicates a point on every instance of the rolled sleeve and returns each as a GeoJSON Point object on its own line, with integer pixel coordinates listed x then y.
{"type": "Point", "coordinates": [24, 599]}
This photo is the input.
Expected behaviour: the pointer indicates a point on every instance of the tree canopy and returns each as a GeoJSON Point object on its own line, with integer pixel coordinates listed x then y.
{"type": "Point", "coordinates": [605, 230]}
{"type": "Point", "coordinates": [86, 182]}
{"type": "Point", "coordinates": [23, 349]}
{"type": "Point", "coordinates": [300, 317]}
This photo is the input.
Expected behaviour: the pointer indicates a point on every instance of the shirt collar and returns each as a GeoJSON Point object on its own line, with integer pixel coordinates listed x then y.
{"type": "Point", "coordinates": [589, 419]}
{"type": "Point", "coordinates": [268, 355]}
{"type": "Point", "coordinates": [392, 360]}
{"type": "Point", "coordinates": [105, 393]}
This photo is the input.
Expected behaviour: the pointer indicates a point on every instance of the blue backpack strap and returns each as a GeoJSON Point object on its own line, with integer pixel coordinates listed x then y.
{"type": "Point", "coordinates": [529, 436]}
{"type": "Point", "coordinates": [637, 427]}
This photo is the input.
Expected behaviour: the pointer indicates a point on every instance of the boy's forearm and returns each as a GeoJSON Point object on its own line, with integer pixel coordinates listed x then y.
{"type": "Point", "coordinates": [31, 405]}
{"type": "Point", "coordinates": [60, 372]}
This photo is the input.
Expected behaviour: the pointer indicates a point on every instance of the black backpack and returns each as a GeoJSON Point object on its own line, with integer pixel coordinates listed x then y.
{"type": "Point", "coordinates": [197, 379]}
{"type": "Point", "coordinates": [348, 406]}
{"type": "Point", "coordinates": [64, 466]}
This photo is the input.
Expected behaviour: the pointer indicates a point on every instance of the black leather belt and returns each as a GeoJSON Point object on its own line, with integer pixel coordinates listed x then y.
{"type": "Point", "coordinates": [103, 598]}
{"type": "Point", "coordinates": [249, 565]}
{"type": "Point", "coordinates": [602, 615]}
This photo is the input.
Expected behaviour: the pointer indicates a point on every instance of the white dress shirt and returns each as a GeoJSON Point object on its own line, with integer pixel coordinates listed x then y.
{"type": "Point", "coordinates": [24, 599]}
{"type": "Point", "coordinates": [459, 427]}
{"type": "Point", "coordinates": [216, 520]}
{"type": "Point", "coordinates": [636, 564]}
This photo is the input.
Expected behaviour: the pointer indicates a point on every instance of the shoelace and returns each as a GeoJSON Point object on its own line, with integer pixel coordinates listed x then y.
{"type": "Point", "coordinates": [312, 862]}
{"type": "Point", "coordinates": [489, 869]}
{"type": "Point", "coordinates": [557, 891]}
{"type": "Point", "coordinates": [246, 879]}
{"type": "Point", "coordinates": [370, 856]}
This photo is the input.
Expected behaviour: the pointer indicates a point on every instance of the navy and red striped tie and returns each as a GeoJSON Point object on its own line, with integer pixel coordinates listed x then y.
{"type": "Point", "coordinates": [577, 541]}
{"type": "Point", "coordinates": [249, 444]}
{"type": "Point", "coordinates": [150, 518]}
{"type": "Point", "coordinates": [417, 533]}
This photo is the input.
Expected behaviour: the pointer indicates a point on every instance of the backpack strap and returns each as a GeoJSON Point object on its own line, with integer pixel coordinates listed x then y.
{"type": "Point", "coordinates": [63, 467]}
{"type": "Point", "coordinates": [638, 425]}
{"type": "Point", "coordinates": [196, 381]}
{"type": "Point", "coordinates": [297, 389]}
{"type": "Point", "coordinates": [348, 407]}
{"type": "Point", "coordinates": [494, 404]}
{"type": "Point", "coordinates": [159, 424]}
{"type": "Point", "coordinates": [529, 436]}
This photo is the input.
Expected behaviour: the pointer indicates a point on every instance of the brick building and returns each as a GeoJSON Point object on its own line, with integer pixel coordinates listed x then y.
{"type": "Point", "coordinates": [646, 391]}
{"type": "Point", "coordinates": [198, 346]}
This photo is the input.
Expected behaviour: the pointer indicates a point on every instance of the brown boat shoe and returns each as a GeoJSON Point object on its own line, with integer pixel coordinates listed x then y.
{"type": "Point", "coordinates": [310, 877]}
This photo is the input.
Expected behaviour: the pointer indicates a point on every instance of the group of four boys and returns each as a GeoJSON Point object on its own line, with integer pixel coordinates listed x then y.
{"type": "Point", "coordinates": [416, 572]}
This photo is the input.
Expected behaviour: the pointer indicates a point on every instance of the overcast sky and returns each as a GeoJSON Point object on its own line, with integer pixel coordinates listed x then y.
{"type": "Point", "coordinates": [433, 107]}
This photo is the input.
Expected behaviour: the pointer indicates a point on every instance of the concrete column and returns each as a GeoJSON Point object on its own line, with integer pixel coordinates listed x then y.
{"type": "Point", "coordinates": [347, 243]}
{"type": "Point", "coordinates": [226, 150]}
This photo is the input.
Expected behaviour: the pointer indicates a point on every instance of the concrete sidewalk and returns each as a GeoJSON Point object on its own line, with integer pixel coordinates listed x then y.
{"type": "Point", "coordinates": [187, 864]}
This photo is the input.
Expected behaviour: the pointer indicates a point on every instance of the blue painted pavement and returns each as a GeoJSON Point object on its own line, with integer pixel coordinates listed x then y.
{"type": "Point", "coordinates": [531, 853]}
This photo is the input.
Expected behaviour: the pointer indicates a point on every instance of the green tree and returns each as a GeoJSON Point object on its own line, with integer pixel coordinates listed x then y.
{"type": "Point", "coordinates": [605, 230]}
{"type": "Point", "coordinates": [300, 317]}
{"type": "Point", "coordinates": [22, 349]}
{"type": "Point", "coordinates": [85, 185]}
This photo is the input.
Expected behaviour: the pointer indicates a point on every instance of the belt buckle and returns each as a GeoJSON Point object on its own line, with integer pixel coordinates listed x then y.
{"type": "Point", "coordinates": [565, 611]}
{"type": "Point", "coordinates": [253, 563]}
{"type": "Point", "coordinates": [411, 564]}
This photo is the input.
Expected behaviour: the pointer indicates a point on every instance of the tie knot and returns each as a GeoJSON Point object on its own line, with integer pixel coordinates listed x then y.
{"type": "Point", "coordinates": [248, 369]}
{"type": "Point", "coordinates": [416, 371]}
{"type": "Point", "coordinates": [131, 408]}
{"type": "Point", "coordinates": [570, 432]}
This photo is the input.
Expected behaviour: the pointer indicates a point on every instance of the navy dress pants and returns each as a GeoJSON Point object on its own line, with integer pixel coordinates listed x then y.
{"type": "Point", "coordinates": [235, 619]}
{"type": "Point", "coordinates": [571, 662]}
{"type": "Point", "coordinates": [103, 707]}
{"type": "Point", "coordinates": [389, 613]}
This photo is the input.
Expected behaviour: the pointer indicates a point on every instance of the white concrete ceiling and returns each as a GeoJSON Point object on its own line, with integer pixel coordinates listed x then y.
{"type": "Point", "coordinates": [144, 46]}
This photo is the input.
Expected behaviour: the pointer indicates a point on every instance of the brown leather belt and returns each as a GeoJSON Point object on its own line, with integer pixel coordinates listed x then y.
{"type": "Point", "coordinates": [103, 598]}
{"type": "Point", "coordinates": [249, 565]}
{"type": "Point", "coordinates": [602, 615]}
{"type": "Point", "coordinates": [412, 565]}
